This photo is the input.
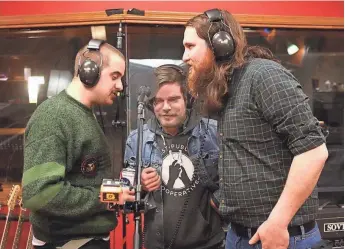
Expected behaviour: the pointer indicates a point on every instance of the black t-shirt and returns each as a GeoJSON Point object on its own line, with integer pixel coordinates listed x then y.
{"type": "Point", "coordinates": [185, 200]}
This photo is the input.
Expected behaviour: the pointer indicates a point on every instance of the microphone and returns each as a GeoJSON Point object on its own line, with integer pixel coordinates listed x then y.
{"type": "Point", "coordinates": [119, 36]}
{"type": "Point", "coordinates": [144, 92]}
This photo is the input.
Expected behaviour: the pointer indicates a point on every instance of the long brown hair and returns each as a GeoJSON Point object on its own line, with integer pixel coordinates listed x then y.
{"type": "Point", "coordinates": [213, 92]}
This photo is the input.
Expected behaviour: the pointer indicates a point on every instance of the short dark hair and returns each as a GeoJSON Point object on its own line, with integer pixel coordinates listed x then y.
{"type": "Point", "coordinates": [170, 73]}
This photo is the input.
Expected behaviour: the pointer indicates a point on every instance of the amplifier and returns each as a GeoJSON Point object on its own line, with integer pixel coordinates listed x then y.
{"type": "Point", "coordinates": [331, 224]}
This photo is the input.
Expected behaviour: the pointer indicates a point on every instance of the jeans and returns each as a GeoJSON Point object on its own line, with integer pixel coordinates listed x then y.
{"type": "Point", "coordinates": [92, 244]}
{"type": "Point", "coordinates": [304, 241]}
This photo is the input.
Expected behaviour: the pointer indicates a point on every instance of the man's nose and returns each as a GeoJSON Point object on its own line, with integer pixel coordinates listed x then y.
{"type": "Point", "coordinates": [119, 85]}
{"type": "Point", "coordinates": [185, 56]}
{"type": "Point", "coordinates": [166, 106]}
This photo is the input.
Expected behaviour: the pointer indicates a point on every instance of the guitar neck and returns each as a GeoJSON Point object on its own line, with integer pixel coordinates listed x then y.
{"type": "Point", "coordinates": [18, 232]}
{"type": "Point", "coordinates": [29, 241]}
{"type": "Point", "coordinates": [5, 233]}
{"type": "Point", "coordinates": [10, 205]}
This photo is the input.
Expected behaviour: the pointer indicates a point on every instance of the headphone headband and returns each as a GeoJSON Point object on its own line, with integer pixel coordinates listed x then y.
{"type": "Point", "coordinates": [214, 15]}
{"type": "Point", "coordinates": [95, 44]}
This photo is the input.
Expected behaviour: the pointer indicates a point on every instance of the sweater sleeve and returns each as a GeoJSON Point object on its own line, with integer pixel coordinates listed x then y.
{"type": "Point", "coordinates": [45, 188]}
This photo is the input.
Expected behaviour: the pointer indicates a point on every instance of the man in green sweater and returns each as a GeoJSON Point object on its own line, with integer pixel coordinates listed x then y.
{"type": "Point", "coordinates": [66, 156]}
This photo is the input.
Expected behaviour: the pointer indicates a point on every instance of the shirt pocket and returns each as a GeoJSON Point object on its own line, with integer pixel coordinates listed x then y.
{"type": "Point", "coordinates": [152, 158]}
{"type": "Point", "coordinates": [153, 162]}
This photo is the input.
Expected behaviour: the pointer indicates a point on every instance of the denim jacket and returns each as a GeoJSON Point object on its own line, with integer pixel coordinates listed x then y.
{"type": "Point", "coordinates": [202, 146]}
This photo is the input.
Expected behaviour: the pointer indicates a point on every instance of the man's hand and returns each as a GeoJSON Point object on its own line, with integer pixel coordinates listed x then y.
{"type": "Point", "coordinates": [184, 177]}
{"type": "Point", "coordinates": [150, 179]}
{"type": "Point", "coordinates": [272, 235]}
{"type": "Point", "coordinates": [128, 194]}
{"type": "Point", "coordinates": [174, 172]}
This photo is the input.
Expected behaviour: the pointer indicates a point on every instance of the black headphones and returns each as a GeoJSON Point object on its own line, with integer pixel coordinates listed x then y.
{"type": "Point", "coordinates": [89, 71]}
{"type": "Point", "coordinates": [189, 97]}
{"type": "Point", "coordinates": [222, 42]}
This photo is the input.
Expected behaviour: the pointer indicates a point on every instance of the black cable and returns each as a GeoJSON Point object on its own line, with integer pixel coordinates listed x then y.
{"type": "Point", "coordinates": [185, 205]}
{"type": "Point", "coordinates": [179, 221]}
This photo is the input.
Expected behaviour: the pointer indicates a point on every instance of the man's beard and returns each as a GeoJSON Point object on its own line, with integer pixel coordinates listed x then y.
{"type": "Point", "coordinates": [207, 82]}
{"type": "Point", "coordinates": [200, 75]}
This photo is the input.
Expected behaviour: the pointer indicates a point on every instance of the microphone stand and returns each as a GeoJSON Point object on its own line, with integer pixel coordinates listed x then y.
{"type": "Point", "coordinates": [138, 205]}
{"type": "Point", "coordinates": [120, 123]}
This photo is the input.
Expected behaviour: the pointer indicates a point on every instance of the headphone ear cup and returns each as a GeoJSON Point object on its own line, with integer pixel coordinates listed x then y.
{"type": "Point", "coordinates": [223, 44]}
{"type": "Point", "coordinates": [89, 73]}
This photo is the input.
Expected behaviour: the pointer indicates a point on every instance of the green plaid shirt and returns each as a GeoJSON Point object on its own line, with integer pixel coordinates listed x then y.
{"type": "Point", "coordinates": [265, 123]}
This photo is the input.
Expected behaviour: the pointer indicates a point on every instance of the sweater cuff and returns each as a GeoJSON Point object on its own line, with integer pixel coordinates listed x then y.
{"type": "Point", "coordinates": [215, 200]}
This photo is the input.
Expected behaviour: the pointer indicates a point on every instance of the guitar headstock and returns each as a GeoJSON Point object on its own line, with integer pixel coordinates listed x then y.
{"type": "Point", "coordinates": [11, 203]}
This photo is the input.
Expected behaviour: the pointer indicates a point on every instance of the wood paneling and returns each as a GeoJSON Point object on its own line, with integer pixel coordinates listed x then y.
{"type": "Point", "coordinates": [11, 131]}
{"type": "Point", "coordinates": [159, 17]}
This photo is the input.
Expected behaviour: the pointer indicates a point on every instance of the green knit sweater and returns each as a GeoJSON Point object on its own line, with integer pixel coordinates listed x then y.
{"type": "Point", "coordinates": [66, 156]}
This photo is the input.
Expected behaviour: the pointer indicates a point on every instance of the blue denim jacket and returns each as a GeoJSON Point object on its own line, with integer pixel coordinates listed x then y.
{"type": "Point", "coordinates": [202, 146]}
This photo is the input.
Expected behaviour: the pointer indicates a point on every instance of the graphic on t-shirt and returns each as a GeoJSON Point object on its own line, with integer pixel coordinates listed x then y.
{"type": "Point", "coordinates": [177, 171]}
{"type": "Point", "coordinates": [178, 174]}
